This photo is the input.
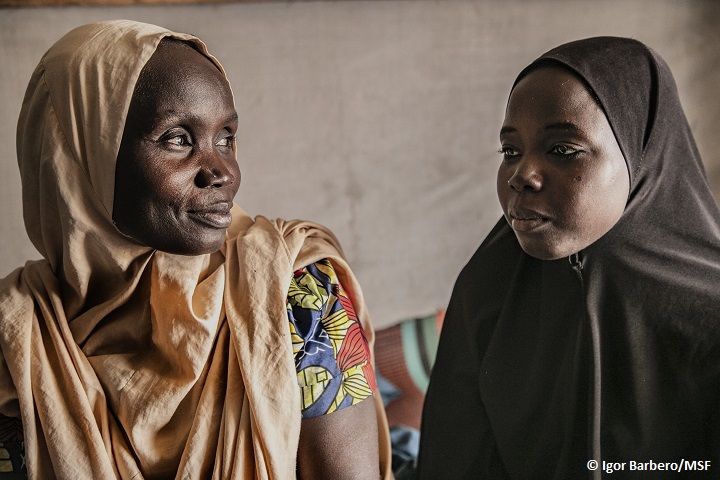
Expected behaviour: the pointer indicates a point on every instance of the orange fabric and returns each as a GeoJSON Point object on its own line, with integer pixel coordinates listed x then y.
{"type": "Point", "coordinates": [122, 361]}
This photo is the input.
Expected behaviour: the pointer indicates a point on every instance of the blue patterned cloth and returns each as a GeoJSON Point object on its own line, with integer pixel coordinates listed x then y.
{"type": "Point", "coordinates": [332, 356]}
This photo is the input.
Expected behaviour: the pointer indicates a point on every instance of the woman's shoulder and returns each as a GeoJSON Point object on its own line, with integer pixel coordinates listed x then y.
{"type": "Point", "coordinates": [498, 252]}
{"type": "Point", "coordinates": [483, 284]}
{"type": "Point", "coordinates": [15, 291]}
{"type": "Point", "coordinates": [304, 241]}
{"type": "Point", "coordinates": [296, 226]}
{"type": "Point", "coordinates": [330, 347]}
{"type": "Point", "coordinates": [243, 223]}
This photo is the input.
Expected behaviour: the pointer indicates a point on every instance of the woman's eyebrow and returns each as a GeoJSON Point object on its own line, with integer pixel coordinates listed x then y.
{"type": "Point", "coordinates": [172, 115]}
{"type": "Point", "coordinates": [565, 126]}
{"type": "Point", "coordinates": [507, 129]}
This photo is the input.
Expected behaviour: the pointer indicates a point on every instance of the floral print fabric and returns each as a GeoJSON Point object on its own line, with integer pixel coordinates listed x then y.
{"type": "Point", "coordinates": [12, 460]}
{"type": "Point", "coordinates": [12, 452]}
{"type": "Point", "coordinates": [332, 356]}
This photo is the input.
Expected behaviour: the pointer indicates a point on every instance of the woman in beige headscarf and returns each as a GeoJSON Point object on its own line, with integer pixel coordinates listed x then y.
{"type": "Point", "coordinates": [153, 340]}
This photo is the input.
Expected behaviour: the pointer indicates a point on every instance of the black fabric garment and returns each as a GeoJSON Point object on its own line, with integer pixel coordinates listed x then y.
{"type": "Point", "coordinates": [612, 354]}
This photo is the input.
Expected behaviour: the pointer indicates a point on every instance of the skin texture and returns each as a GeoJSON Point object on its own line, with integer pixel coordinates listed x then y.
{"type": "Point", "coordinates": [176, 177]}
{"type": "Point", "coordinates": [344, 441]}
{"type": "Point", "coordinates": [563, 182]}
{"type": "Point", "coordinates": [176, 173]}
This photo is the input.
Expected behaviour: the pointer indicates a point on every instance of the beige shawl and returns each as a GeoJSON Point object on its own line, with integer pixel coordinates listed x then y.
{"type": "Point", "coordinates": [122, 361]}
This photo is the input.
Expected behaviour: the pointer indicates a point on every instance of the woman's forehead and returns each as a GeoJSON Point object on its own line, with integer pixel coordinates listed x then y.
{"type": "Point", "coordinates": [176, 70]}
{"type": "Point", "coordinates": [175, 59]}
{"type": "Point", "coordinates": [555, 96]}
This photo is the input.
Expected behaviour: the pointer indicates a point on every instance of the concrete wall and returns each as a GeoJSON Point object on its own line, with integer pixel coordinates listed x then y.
{"type": "Point", "coordinates": [377, 118]}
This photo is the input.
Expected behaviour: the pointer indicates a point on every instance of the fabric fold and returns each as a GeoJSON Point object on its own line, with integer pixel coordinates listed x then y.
{"type": "Point", "coordinates": [616, 361]}
{"type": "Point", "coordinates": [125, 362]}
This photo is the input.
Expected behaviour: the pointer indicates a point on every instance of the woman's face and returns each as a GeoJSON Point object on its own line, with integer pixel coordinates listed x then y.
{"type": "Point", "coordinates": [176, 173]}
{"type": "Point", "coordinates": [563, 182]}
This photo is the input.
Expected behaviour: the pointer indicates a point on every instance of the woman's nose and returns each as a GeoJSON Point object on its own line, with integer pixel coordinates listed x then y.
{"type": "Point", "coordinates": [214, 174]}
{"type": "Point", "coordinates": [526, 177]}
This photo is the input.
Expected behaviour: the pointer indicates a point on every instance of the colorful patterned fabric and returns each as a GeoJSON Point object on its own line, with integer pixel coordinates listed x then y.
{"type": "Point", "coordinates": [404, 356]}
{"type": "Point", "coordinates": [332, 356]}
{"type": "Point", "coordinates": [12, 461]}
{"type": "Point", "coordinates": [12, 451]}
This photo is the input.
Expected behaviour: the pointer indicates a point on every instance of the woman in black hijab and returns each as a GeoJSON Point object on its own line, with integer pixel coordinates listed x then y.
{"type": "Point", "coordinates": [583, 337]}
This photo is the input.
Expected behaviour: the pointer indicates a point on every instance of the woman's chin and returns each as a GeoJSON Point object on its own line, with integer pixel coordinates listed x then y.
{"type": "Point", "coordinates": [546, 250]}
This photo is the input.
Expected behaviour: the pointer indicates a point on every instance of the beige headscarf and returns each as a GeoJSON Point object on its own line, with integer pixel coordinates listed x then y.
{"type": "Point", "coordinates": [123, 361]}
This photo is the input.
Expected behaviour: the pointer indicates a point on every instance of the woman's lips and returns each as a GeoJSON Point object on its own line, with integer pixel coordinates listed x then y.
{"type": "Point", "coordinates": [217, 216]}
{"type": "Point", "coordinates": [526, 221]}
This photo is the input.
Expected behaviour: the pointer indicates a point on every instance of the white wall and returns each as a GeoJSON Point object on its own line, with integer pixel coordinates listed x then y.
{"type": "Point", "coordinates": [377, 118]}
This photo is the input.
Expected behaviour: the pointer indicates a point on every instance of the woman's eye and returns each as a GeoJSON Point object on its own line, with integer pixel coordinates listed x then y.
{"type": "Point", "coordinates": [563, 150]}
{"type": "Point", "coordinates": [508, 152]}
{"type": "Point", "coordinates": [226, 141]}
{"type": "Point", "coordinates": [178, 140]}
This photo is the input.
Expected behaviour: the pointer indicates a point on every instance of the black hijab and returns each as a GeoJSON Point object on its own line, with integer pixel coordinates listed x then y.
{"type": "Point", "coordinates": [612, 354]}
